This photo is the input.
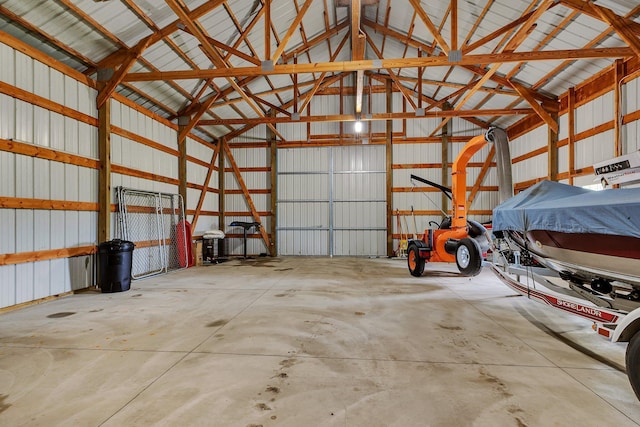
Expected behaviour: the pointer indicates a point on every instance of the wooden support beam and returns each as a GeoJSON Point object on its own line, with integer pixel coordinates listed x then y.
{"type": "Point", "coordinates": [292, 28]}
{"type": "Point", "coordinates": [373, 117]}
{"type": "Point", "coordinates": [429, 24]}
{"type": "Point", "coordinates": [389, 169]}
{"type": "Point", "coordinates": [348, 66]}
{"type": "Point", "coordinates": [571, 119]}
{"type": "Point", "coordinates": [205, 186]}
{"type": "Point", "coordinates": [222, 192]}
{"type": "Point", "coordinates": [183, 122]}
{"type": "Point", "coordinates": [544, 115]}
{"type": "Point", "coordinates": [247, 195]}
{"type": "Point", "coordinates": [267, 29]}
{"type": "Point", "coordinates": [620, 25]}
{"type": "Point", "coordinates": [319, 81]}
{"type": "Point", "coordinates": [104, 171]}
{"type": "Point", "coordinates": [587, 8]}
{"type": "Point", "coordinates": [552, 152]}
{"type": "Point", "coordinates": [108, 89]}
{"type": "Point", "coordinates": [454, 24]}
{"type": "Point", "coordinates": [273, 148]}
{"type": "Point", "coordinates": [444, 172]}
{"type": "Point", "coordinates": [617, 107]}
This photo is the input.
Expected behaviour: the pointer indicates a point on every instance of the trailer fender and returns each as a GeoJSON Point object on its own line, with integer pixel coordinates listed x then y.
{"type": "Point", "coordinates": [628, 327]}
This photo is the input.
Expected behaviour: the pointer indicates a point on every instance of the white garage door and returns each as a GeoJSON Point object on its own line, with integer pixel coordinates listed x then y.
{"type": "Point", "coordinates": [331, 201]}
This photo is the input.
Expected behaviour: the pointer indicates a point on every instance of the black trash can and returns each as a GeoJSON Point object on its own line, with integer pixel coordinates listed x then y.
{"type": "Point", "coordinates": [114, 265]}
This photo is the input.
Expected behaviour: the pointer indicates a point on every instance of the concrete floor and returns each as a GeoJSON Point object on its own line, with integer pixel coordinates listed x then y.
{"type": "Point", "coordinates": [308, 342]}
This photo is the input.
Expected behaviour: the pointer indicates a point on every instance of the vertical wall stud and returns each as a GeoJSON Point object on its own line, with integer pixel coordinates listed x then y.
{"type": "Point", "coordinates": [271, 139]}
{"type": "Point", "coordinates": [221, 193]}
{"type": "Point", "coordinates": [183, 121]}
{"type": "Point", "coordinates": [571, 112]}
{"type": "Point", "coordinates": [445, 156]}
{"type": "Point", "coordinates": [389, 168]}
{"type": "Point", "coordinates": [104, 151]}
{"type": "Point", "coordinates": [552, 150]}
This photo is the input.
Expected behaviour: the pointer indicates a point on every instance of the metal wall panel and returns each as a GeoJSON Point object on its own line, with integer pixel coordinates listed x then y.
{"type": "Point", "coordinates": [594, 113]}
{"type": "Point", "coordinates": [7, 113]}
{"type": "Point", "coordinates": [254, 180]}
{"type": "Point", "coordinates": [27, 230]}
{"type": "Point", "coordinates": [595, 149]}
{"type": "Point", "coordinates": [335, 205]}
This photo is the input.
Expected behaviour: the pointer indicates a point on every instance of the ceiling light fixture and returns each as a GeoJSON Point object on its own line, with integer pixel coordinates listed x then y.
{"type": "Point", "coordinates": [358, 125]}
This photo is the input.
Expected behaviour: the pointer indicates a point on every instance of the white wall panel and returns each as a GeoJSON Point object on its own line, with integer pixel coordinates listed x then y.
{"type": "Point", "coordinates": [41, 126]}
{"type": "Point", "coordinates": [7, 113]}
{"type": "Point", "coordinates": [41, 279]}
{"type": "Point", "coordinates": [24, 71]}
{"type": "Point", "coordinates": [7, 57]}
{"type": "Point", "coordinates": [56, 132]}
{"type": "Point", "coordinates": [7, 174]}
{"type": "Point", "coordinates": [594, 149]}
{"type": "Point", "coordinates": [24, 283]}
{"type": "Point", "coordinates": [24, 121]}
{"type": "Point", "coordinates": [7, 284]}
{"type": "Point", "coordinates": [56, 86]}
{"type": "Point", "coordinates": [71, 92]}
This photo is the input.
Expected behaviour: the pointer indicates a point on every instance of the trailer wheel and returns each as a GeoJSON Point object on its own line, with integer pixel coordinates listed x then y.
{"type": "Point", "coordinates": [468, 257]}
{"type": "Point", "coordinates": [415, 263]}
{"type": "Point", "coordinates": [632, 360]}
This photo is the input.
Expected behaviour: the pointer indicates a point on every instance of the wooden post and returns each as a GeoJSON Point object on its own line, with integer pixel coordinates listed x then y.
{"type": "Point", "coordinates": [552, 150]}
{"type": "Point", "coordinates": [221, 208]}
{"type": "Point", "coordinates": [617, 108]}
{"type": "Point", "coordinates": [571, 112]}
{"type": "Point", "coordinates": [389, 168]}
{"type": "Point", "coordinates": [445, 157]}
{"type": "Point", "coordinates": [104, 150]}
{"type": "Point", "coordinates": [271, 139]}
{"type": "Point", "coordinates": [183, 121]}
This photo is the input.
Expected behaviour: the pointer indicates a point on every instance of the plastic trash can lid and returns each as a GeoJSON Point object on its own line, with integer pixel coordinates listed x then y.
{"type": "Point", "coordinates": [116, 245]}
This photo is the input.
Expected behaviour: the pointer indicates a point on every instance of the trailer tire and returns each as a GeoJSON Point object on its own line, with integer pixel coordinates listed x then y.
{"type": "Point", "coordinates": [632, 361]}
{"type": "Point", "coordinates": [414, 262]}
{"type": "Point", "coordinates": [469, 257]}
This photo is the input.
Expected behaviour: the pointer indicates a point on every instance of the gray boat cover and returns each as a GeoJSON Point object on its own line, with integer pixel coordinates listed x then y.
{"type": "Point", "coordinates": [564, 208]}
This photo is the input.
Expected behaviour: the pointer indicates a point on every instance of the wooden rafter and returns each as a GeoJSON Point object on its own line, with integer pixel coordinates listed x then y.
{"type": "Point", "coordinates": [290, 31]}
{"type": "Point", "coordinates": [106, 92]}
{"type": "Point", "coordinates": [432, 28]}
{"type": "Point", "coordinates": [587, 8]}
{"type": "Point", "coordinates": [373, 117]}
{"type": "Point", "coordinates": [211, 51]}
{"type": "Point", "coordinates": [591, 44]}
{"type": "Point", "coordinates": [319, 81]}
{"type": "Point", "coordinates": [621, 25]}
{"type": "Point", "coordinates": [509, 47]}
{"type": "Point", "coordinates": [468, 61]}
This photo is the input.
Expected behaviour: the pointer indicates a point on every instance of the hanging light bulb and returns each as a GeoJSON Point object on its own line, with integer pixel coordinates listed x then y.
{"type": "Point", "coordinates": [358, 125]}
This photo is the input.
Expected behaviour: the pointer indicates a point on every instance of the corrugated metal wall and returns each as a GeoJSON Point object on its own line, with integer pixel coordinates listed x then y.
{"type": "Point", "coordinates": [254, 165]}
{"type": "Point", "coordinates": [58, 226]}
{"type": "Point", "coordinates": [196, 174]}
{"type": "Point", "coordinates": [332, 201]}
{"type": "Point", "coordinates": [26, 177]}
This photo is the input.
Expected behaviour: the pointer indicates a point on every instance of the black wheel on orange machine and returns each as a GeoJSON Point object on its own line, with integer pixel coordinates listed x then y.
{"type": "Point", "coordinates": [632, 360]}
{"type": "Point", "coordinates": [414, 261]}
{"type": "Point", "coordinates": [468, 257]}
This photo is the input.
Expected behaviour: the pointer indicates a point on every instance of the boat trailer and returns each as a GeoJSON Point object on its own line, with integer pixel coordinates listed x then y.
{"type": "Point", "coordinates": [616, 319]}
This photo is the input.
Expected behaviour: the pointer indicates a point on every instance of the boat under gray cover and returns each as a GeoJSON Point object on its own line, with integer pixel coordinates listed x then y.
{"type": "Point", "coordinates": [553, 206]}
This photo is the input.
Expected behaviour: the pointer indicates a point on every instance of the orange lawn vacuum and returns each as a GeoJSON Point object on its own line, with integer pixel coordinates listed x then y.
{"type": "Point", "coordinates": [459, 239]}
